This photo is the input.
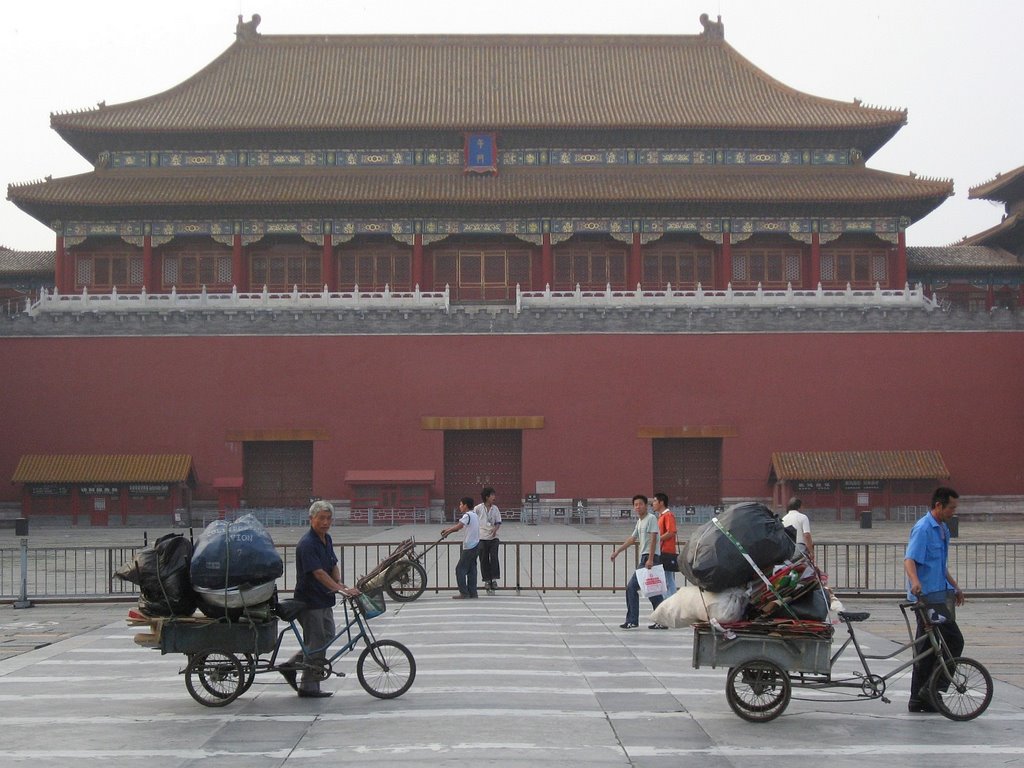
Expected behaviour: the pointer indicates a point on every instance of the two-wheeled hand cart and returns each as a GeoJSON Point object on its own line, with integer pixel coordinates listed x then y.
{"type": "Point", "coordinates": [766, 660]}
{"type": "Point", "coordinates": [402, 573]}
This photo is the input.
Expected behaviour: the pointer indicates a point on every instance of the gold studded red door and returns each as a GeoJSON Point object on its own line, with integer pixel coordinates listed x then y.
{"type": "Point", "coordinates": [278, 473]}
{"type": "Point", "coordinates": [688, 470]}
{"type": "Point", "coordinates": [475, 458]}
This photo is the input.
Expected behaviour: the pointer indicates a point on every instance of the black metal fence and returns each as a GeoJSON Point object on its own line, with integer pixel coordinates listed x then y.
{"type": "Point", "coordinates": [853, 568]}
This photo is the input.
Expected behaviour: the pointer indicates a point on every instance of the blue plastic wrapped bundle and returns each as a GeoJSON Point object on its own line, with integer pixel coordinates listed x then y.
{"type": "Point", "coordinates": [234, 554]}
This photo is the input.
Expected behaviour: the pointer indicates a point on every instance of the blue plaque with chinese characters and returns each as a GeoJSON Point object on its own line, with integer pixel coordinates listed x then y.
{"type": "Point", "coordinates": [481, 153]}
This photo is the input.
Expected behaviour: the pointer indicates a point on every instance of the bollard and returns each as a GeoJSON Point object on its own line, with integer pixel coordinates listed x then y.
{"type": "Point", "coordinates": [21, 528]}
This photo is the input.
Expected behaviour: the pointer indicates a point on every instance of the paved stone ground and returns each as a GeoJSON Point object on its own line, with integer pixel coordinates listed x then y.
{"type": "Point", "coordinates": [534, 679]}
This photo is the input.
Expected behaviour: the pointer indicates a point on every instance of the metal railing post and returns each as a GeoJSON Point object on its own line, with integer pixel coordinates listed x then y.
{"type": "Point", "coordinates": [23, 601]}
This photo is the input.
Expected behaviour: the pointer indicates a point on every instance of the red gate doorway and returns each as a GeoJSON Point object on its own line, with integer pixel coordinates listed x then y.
{"type": "Point", "coordinates": [475, 458]}
{"type": "Point", "coordinates": [689, 470]}
{"type": "Point", "coordinates": [278, 473]}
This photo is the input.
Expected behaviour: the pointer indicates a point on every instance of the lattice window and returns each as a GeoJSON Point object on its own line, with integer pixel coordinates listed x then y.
{"type": "Point", "coordinates": [682, 267]}
{"type": "Point", "coordinates": [858, 267]}
{"type": "Point", "coordinates": [103, 271]}
{"type": "Point", "coordinates": [768, 267]}
{"type": "Point", "coordinates": [792, 268]}
{"type": "Point", "coordinates": [591, 267]}
{"type": "Point", "coordinates": [135, 272]}
{"type": "Point", "coordinates": [879, 269]}
{"type": "Point", "coordinates": [373, 270]}
{"type": "Point", "coordinates": [739, 268]}
{"type": "Point", "coordinates": [223, 270]}
{"type": "Point", "coordinates": [282, 272]}
{"type": "Point", "coordinates": [83, 272]}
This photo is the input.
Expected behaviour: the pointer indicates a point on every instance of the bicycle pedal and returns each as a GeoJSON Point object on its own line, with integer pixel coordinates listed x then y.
{"type": "Point", "coordinates": [339, 674]}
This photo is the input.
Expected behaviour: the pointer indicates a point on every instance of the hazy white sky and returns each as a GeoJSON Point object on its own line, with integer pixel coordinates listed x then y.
{"type": "Point", "coordinates": [955, 66]}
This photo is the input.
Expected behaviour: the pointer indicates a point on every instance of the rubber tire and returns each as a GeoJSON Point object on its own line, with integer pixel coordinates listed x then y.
{"type": "Point", "coordinates": [758, 690]}
{"type": "Point", "coordinates": [399, 669]}
{"type": "Point", "coordinates": [249, 664]}
{"type": "Point", "coordinates": [405, 581]}
{"type": "Point", "coordinates": [215, 678]}
{"type": "Point", "coordinates": [969, 692]}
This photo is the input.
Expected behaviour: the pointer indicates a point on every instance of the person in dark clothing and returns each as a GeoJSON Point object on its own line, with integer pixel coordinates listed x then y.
{"type": "Point", "coordinates": [317, 584]}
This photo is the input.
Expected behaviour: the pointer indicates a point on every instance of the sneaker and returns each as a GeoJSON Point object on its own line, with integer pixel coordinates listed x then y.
{"type": "Point", "coordinates": [920, 706]}
{"type": "Point", "coordinates": [656, 625]}
{"type": "Point", "coordinates": [627, 625]}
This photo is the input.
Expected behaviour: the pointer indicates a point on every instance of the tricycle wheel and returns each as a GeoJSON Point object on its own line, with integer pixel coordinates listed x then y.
{"type": "Point", "coordinates": [215, 678]}
{"type": "Point", "coordinates": [961, 688]}
{"type": "Point", "coordinates": [249, 665]}
{"type": "Point", "coordinates": [758, 690]}
{"type": "Point", "coordinates": [386, 669]}
{"type": "Point", "coordinates": [405, 581]}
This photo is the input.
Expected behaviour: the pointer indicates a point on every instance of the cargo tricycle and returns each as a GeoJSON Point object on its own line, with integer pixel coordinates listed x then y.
{"type": "Point", "coordinates": [766, 660]}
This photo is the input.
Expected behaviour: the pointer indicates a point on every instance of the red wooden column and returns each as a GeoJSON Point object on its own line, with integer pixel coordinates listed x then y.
{"type": "Point", "coordinates": [725, 263]}
{"type": "Point", "coordinates": [815, 276]}
{"type": "Point", "coordinates": [635, 272]}
{"type": "Point", "coordinates": [990, 297]}
{"type": "Point", "coordinates": [901, 261]}
{"type": "Point", "coordinates": [147, 264]}
{"type": "Point", "coordinates": [417, 262]}
{"type": "Point", "coordinates": [547, 262]}
{"type": "Point", "coordinates": [59, 267]}
{"type": "Point", "coordinates": [327, 270]}
{"type": "Point", "coordinates": [237, 265]}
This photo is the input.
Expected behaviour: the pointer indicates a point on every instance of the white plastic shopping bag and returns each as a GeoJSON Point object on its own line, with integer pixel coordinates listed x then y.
{"type": "Point", "coordinates": [652, 581]}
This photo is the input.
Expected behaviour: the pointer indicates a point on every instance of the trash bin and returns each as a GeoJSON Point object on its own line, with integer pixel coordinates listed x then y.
{"type": "Point", "coordinates": [954, 527]}
{"type": "Point", "coordinates": [865, 518]}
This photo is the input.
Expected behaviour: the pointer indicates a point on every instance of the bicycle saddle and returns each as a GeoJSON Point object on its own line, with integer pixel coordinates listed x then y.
{"type": "Point", "coordinates": [848, 616]}
{"type": "Point", "coordinates": [289, 610]}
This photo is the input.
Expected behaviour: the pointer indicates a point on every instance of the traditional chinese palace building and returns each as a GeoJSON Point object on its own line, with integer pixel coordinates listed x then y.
{"type": "Point", "coordinates": [388, 270]}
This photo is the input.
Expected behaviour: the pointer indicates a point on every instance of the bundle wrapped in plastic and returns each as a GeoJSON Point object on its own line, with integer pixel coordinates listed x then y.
{"type": "Point", "coordinates": [162, 573]}
{"type": "Point", "coordinates": [715, 557]}
{"type": "Point", "coordinates": [235, 554]}
{"type": "Point", "coordinates": [691, 603]}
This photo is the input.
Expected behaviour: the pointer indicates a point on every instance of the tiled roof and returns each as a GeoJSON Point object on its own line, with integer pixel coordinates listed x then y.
{"type": "Point", "coordinates": [103, 468]}
{"type": "Point", "coordinates": [1004, 230]}
{"type": "Point", "coordinates": [454, 82]}
{"type": "Point", "coordinates": [26, 262]}
{"type": "Point", "coordinates": [999, 188]}
{"type": "Point", "coordinates": [859, 465]}
{"type": "Point", "coordinates": [961, 257]}
{"type": "Point", "coordinates": [692, 184]}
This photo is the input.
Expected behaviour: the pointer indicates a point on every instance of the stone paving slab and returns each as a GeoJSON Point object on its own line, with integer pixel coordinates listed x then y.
{"type": "Point", "coordinates": [530, 680]}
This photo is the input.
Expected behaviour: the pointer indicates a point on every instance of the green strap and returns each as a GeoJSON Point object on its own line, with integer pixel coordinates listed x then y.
{"type": "Point", "coordinates": [767, 582]}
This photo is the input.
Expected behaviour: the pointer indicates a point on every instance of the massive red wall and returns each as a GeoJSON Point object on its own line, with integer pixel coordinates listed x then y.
{"type": "Point", "coordinates": [959, 393]}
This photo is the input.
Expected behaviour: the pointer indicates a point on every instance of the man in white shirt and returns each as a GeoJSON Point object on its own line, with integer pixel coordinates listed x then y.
{"type": "Point", "coordinates": [490, 521]}
{"type": "Point", "coordinates": [465, 571]}
{"type": "Point", "coordinates": [800, 522]}
{"type": "Point", "coordinates": [645, 533]}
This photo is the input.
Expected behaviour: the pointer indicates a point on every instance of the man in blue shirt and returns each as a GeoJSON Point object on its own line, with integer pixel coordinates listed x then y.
{"type": "Point", "coordinates": [317, 583]}
{"type": "Point", "coordinates": [929, 579]}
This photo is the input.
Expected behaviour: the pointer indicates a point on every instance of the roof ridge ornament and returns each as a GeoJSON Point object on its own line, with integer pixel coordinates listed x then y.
{"type": "Point", "coordinates": [713, 30]}
{"type": "Point", "coordinates": [245, 31]}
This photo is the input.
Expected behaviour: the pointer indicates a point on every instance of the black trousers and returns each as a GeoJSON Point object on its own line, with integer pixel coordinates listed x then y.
{"type": "Point", "coordinates": [490, 568]}
{"type": "Point", "coordinates": [954, 640]}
